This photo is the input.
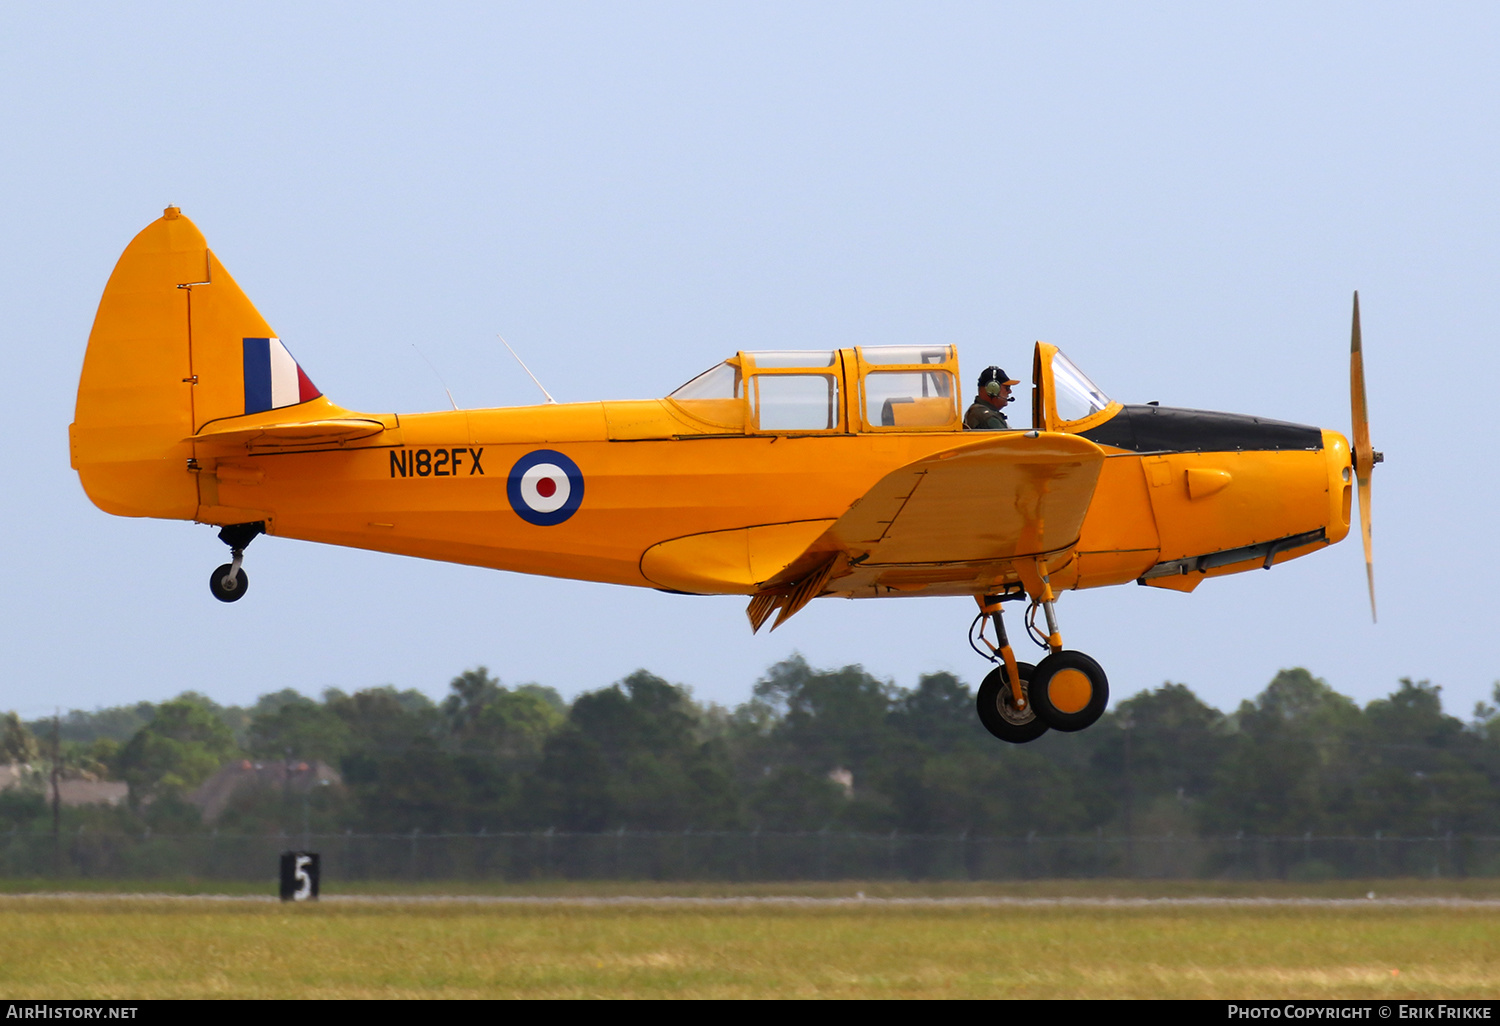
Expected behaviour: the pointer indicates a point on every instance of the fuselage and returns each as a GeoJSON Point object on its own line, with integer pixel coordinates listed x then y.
{"type": "Point", "coordinates": [1223, 494]}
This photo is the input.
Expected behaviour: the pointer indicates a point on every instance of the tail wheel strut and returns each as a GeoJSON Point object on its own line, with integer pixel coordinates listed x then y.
{"type": "Point", "coordinates": [229, 582]}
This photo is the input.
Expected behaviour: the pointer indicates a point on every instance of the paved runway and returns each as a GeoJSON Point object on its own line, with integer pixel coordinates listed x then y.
{"type": "Point", "coordinates": [853, 901]}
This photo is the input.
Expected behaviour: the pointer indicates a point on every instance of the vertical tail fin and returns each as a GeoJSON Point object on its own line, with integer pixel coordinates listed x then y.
{"type": "Point", "coordinates": [176, 345]}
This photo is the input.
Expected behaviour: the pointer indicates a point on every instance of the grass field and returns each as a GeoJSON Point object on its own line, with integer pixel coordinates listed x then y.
{"type": "Point", "coordinates": [145, 947]}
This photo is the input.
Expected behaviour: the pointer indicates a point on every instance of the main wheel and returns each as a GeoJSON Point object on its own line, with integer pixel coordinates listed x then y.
{"type": "Point", "coordinates": [998, 712]}
{"type": "Point", "coordinates": [1069, 691]}
{"type": "Point", "coordinates": [226, 589]}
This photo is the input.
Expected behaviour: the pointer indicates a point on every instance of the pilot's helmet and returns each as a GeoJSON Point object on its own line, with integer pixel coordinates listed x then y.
{"type": "Point", "coordinates": [991, 378]}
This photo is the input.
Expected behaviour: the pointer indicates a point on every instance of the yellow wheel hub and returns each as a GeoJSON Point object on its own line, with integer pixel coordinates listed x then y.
{"type": "Point", "coordinates": [1069, 690]}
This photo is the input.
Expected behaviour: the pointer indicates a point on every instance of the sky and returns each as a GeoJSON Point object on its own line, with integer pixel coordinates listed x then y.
{"type": "Point", "coordinates": [1181, 196]}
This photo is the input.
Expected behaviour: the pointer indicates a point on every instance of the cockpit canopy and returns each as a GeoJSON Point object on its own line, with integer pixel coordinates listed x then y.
{"type": "Point", "coordinates": [874, 389]}
{"type": "Point", "coordinates": [902, 388]}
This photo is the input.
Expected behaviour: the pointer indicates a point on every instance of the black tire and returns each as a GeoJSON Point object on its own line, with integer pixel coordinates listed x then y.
{"type": "Point", "coordinates": [218, 581]}
{"type": "Point", "coordinates": [997, 709]}
{"type": "Point", "coordinates": [1069, 691]}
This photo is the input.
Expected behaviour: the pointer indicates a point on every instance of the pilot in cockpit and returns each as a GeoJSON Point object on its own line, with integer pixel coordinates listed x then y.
{"type": "Point", "coordinates": [988, 410]}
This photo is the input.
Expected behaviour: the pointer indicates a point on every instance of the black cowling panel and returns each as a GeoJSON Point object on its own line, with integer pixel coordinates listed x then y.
{"type": "Point", "coordinates": [1169, 429]}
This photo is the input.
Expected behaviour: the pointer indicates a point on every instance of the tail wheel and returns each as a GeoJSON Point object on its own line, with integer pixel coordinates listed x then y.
{"type": "Point", "coordinates": [227, 585]}
{"type": "Point", "coordinates": [997, 710]}
{"type": "Point", "coordinates": [1068, 690]}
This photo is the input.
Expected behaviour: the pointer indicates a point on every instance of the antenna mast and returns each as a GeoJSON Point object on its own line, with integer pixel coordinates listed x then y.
{"type": "Point", "coordinates": [438, 376]}
{"type": "Point", "coordinates": [526, 369]}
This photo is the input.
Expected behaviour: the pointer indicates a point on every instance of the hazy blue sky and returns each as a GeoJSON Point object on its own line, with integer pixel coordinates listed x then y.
{"type": "Point", "coordinates": [1182, 196]}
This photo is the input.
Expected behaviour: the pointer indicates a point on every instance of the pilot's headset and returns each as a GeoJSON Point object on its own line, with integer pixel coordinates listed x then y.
{"type": "Point", "coordinates": [990, 380]}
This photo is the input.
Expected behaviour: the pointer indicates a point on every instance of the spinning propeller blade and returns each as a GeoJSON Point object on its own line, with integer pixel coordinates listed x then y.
{"type": "Point", "coordinates": [1365, 457]}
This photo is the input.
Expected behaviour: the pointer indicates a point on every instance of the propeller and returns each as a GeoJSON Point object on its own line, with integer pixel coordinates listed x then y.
{"type": "Point", "coordinates": [1365, 457]}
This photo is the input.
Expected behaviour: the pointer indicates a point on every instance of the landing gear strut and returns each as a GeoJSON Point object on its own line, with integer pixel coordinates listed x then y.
{"type": "Point", "coordinates": [1004, 698]}
{"type": "Point", "coordinates": [1018, 702]}
{"type": "Point", "coordinates": [230, 582]}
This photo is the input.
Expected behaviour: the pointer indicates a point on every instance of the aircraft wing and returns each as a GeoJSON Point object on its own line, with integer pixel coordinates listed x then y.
{"type": "Point", "coordinates": [953, 522]}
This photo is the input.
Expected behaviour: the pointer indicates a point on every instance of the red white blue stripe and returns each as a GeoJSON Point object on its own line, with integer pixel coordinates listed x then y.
{"type": "Point", "coordinates": [272, 377]}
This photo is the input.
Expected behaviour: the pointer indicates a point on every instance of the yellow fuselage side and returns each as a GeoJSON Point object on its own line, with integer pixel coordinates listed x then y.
{"type": "Point", "coordinates": [642, 492]}
{"type": "Point", "coordinates": [638, 493]}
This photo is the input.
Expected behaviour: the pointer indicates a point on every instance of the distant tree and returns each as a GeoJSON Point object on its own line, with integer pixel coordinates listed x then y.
{"type": "Point", "coordinates": [1155, 751]}
{"type": "Point", "coordinates": [17, 744]}
{"type": "Point", "coordinates": [942, 771]}
{"type": "Point", "coordinates": [472, 691]}
{"type": "Point", "coordinates": [273, 702]}
{"type": "Point", "coordinates": [483, 716]}
{"type": "Point", "coordinates": [384, 717]}
{"type": "Point", "coordinates": [181, 747]}
{"type": "Point", "coordinates": [266, 810]}
{"type": "Point", "coordinates": [497, 735]}
{"type": "Point", "coordinates": [300, 730]}
{"type": "Point", "coordinates": [234, 717]}
{"type": "Point", "coordinates": [829, 719]}
{"type": "Point", "coordinates": [1423, 772]}
{"type": "Point", "coordinates": [573, 788]}
{"type": "Point", "coordinates": [1290, 764]}
{"type": "Point", "coordinates": [633, 755]}
{"type": "Point", "coordinates": [939, 715]}
{"type": "Point", "coordinates": [1045, 787]}
{"type": "Point", "coordinates": [99, 760]}
{"type": "Point", "coordinates": [791, 798]}
{"type": "Point", "coordinates": [20, 807]}
{"type": "Point", "coordinates": [513, 727]}
{"type": "Point", "coordinates": [548, 695]}
{"type": "Point", "coordinates": [812, 749]}
{"type": "Point", "coordinates": [396, 767]}
{"type": "Point", "coordinates": [413, 701]}
{"type": "Point", "coordinates": [117, 722]}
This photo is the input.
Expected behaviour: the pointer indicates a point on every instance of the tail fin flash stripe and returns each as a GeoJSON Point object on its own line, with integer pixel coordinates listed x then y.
{"type": "Point", "coordinates": [272, 378]}
{"type": "Point", "coordinates": [305, 388]}
{"type": "Point", "coordinates": [257, 375]}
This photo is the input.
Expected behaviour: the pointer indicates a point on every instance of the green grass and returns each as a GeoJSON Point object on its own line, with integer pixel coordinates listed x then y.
{"type": "Point", "coordinates": [150, 948]}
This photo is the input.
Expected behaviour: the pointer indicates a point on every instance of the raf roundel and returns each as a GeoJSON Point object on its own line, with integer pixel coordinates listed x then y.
{"type": "Point", "coordinates": [545, 488]}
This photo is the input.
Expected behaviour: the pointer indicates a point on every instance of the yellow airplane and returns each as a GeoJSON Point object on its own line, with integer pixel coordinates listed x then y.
{"type": "Point", "coordinates": [781, 476]}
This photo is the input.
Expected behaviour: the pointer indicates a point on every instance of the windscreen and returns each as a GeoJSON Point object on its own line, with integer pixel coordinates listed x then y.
{"type": "Point", "coordinates": [721, 382]}
{"type": "Point", "coordinates": [1074, 394]}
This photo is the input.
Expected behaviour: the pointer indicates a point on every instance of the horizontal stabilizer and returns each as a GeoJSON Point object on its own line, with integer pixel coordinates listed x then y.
{"type": "Point", "coordinates": [295, 433]}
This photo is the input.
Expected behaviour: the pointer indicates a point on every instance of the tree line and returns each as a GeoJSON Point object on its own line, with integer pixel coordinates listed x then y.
{"type": "Point", "coordinates": [812, 749]}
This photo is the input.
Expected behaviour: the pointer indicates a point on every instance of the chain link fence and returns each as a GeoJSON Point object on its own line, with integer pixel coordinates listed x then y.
{"type": "Point", "coordinates": [708, 856]}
